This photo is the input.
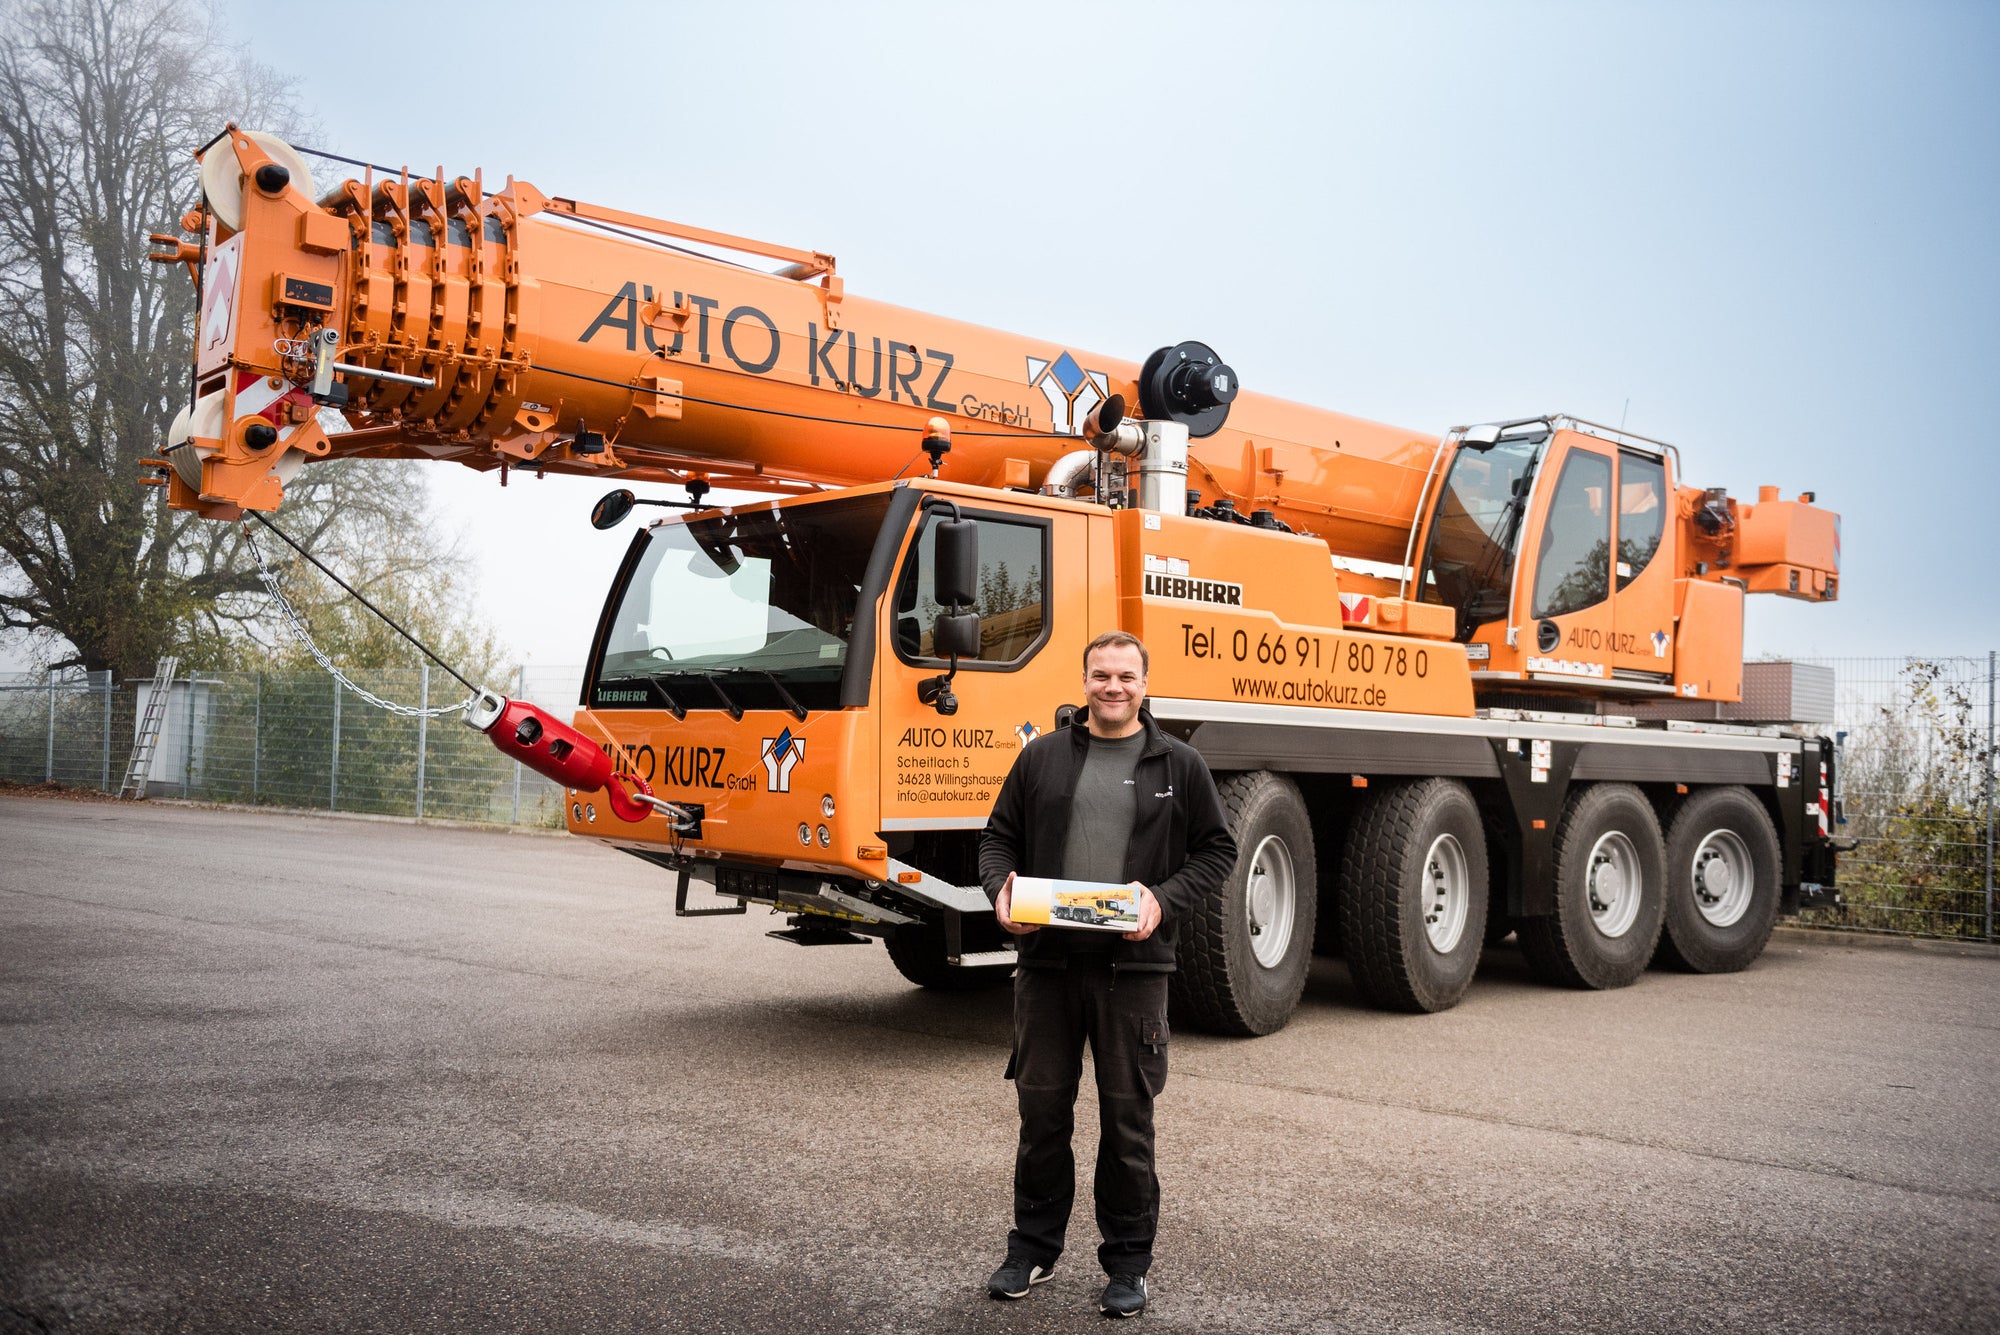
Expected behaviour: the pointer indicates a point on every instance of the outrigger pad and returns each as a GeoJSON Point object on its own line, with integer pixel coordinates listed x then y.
{"type": "Point", "coordinates": [806, 932]}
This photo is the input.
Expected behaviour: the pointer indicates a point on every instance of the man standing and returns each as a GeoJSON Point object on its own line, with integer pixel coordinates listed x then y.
{"type": "Point", "coordinates": [1110, 798]}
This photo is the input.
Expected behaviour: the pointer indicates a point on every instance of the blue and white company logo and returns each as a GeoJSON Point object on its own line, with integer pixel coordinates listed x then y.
{"type": "Point", "coordinates": [1027, 732]}
{"type": "Point", "coordinates": [1071, 391]}
{"type": "Point", "coordinates": [780, 754]}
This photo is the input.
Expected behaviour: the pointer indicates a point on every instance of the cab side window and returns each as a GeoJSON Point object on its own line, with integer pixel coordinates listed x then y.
{"type": "Point", "coordinates": [1574, 568]}
{"type": "Point", "coordinates": [1013, 592]}
{"type": "Point", "coordinates": [1642, 489]}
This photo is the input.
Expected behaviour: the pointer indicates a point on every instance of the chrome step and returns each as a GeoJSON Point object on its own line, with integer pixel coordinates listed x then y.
{"type": "Point", "coordinates": [987, 959]}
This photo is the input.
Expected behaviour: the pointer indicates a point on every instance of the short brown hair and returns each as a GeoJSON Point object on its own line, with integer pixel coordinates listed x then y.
{"type": "Point", "coordinates": [1116, 637]}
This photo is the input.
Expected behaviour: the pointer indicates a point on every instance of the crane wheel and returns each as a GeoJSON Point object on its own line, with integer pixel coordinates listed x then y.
{"type": "Point", "coordinates": [1610, 883]}
{"type": "Point", "coordinates": [1413, 895]}
{"type": "Point", "coordinates": [1244, 951]}
{"type": "Point", "coordinates": [1722, 882]}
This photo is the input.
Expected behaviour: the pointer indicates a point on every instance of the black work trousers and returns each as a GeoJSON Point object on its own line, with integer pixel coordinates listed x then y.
{"type": "Point", "coordinates": [1123, 1015]}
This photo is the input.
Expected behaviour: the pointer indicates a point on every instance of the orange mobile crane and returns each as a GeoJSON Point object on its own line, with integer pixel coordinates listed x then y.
{"type": "Point", "coordinates": [1415, 663]}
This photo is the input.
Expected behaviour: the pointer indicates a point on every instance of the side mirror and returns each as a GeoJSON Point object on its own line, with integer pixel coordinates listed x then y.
{"type": "Point", "coordinates": [955, 585]}
{"type": "Point", "coordinates": [611, 509]}
{"type": "Point", "coordinates": [955, 576]}
{"type": "Point", "coordinates": [956, 635]}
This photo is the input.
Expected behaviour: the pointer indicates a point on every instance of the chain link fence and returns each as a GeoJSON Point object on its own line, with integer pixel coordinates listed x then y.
{"type": "Point", "coordinates": [1916, 774]}
{"type": "Point", "coordinates": [1916, 787]}
{"type": "Point", "coordinates": [69, 730]}
{"type": "Point", "coordinates": [286, 739]}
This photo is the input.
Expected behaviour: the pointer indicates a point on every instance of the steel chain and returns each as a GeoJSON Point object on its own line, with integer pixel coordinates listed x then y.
{"type": "Point", "coordinates": [269, 579]}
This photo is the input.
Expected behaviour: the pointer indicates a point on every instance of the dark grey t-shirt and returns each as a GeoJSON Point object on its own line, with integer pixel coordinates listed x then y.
{"type": "Point", "coordinates": [1101, 811]}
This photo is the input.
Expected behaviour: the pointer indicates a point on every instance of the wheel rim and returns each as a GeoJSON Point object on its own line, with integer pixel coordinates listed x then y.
{"type": "Point", "coordinates": [1447, 893]}
{"type": "Point", "coordinates": [1612, 884]}
{"type": "Point", "coordinates": [1271, 896]}
{"type": "Point", "coordinates": [1724, 877]}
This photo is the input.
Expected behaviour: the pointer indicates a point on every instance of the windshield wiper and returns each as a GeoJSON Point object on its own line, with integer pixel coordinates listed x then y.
{"type": "Point", "coordinates": [735, 710]}
{"type": "Point", "coordinates": [791, 701]}
{"type": "Point", "coordinates": [673, 706]}
{"type": "Point", "coordinates": [1509, 525]}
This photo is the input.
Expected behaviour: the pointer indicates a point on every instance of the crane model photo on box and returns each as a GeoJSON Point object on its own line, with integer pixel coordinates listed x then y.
{"type": "Point", "coordinates": [1447, 685]}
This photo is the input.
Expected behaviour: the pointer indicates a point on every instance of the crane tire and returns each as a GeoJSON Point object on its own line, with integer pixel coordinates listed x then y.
{"type": "Point", "coordinates": [1722, 882]}
{"type": "Point", "coordinates": [917, 951]}
{"type": "Point", "coordinates": [1413, 896]}
{"type": "Point", "coordinates": [1610, 892]}
{"type": "Point", "coordinates": [1230, 980]}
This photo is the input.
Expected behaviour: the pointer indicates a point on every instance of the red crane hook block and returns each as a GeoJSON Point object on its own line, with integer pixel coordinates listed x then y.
{"type": "Point", "coordinates": [553, 749]}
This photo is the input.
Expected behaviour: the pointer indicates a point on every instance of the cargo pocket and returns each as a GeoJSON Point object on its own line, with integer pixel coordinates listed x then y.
{"type": "Point", "coordinates": [1153, 1037]}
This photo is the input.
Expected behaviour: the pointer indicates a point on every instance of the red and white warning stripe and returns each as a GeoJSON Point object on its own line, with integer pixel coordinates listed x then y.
{"type": "Point", "coordinates": [257, 396]}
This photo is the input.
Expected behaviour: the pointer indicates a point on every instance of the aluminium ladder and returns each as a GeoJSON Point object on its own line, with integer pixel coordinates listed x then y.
{"type": "Point", "coordinates": [141, 767]}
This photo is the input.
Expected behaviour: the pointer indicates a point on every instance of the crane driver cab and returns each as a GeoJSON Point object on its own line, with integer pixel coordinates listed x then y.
{"type": "Point", "coordinates": [1549, 539]}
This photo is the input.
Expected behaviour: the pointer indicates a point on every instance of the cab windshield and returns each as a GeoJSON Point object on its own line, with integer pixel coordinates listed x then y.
{"type": "Point", "coordinates": [1469, 563]}
{"type": "Point", "coordinates": [746, 611]}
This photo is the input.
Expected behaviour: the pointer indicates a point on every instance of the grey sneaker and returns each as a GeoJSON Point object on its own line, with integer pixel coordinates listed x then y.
{"type": "Point", "coordinates": [1125, 1295]}
{"type": "Point", "coordinates": [1016, 1275]}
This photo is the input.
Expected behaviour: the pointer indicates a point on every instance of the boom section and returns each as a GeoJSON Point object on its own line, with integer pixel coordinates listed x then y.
{"type": "Point", "coordinates": [506, 329]}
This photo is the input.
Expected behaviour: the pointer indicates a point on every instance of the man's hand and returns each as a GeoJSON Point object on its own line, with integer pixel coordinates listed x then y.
{"type": "Point", "coordinates": [1005, 902]}
{"type": "Point", "coordinates": [1149, 914]}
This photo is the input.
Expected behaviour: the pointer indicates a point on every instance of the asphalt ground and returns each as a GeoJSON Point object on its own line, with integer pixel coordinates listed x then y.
{"type": "Point", "coordinates": [277, 1072]}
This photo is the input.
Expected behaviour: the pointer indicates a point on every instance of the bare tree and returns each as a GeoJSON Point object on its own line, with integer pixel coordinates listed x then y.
{"type": "Point", "coordinates": [101, 102]}
{"type": "Point", "coordinates": [404, 565]}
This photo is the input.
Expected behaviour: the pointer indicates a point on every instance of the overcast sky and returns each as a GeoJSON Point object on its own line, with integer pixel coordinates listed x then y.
{"type": "Point", "coordinates": [1765, 233]}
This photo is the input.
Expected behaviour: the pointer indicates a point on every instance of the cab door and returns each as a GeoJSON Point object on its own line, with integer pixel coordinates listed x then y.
{"type": "Point", "coordinates": [1563, 598]}
{"type": "Point", "coordinates": [1643, 576]}
{"type": "Point", "coordinates": [942, 771]}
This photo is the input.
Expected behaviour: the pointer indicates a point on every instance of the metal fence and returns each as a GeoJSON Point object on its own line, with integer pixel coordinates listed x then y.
{"type": "Point", "coordinates": [1917, 790]}
{"type": "Point", "coordinates": [63, 729]}
{"type": "Point", "coordinates": [1916, 735]}
{"type": "Point", "coordinates": [288, 739]}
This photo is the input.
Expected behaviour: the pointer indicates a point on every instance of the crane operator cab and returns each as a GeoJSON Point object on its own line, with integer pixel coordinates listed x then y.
{"type": "Point", "coordinates": [1577, 566]}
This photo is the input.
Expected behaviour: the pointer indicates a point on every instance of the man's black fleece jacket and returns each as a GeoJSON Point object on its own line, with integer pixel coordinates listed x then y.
{"type": "Point", "coordinates": [1181, 849]}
